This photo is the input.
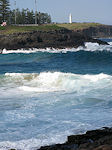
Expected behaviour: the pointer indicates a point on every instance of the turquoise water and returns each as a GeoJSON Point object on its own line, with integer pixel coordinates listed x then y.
{"type": "Point", "coordinates": [46, 95]}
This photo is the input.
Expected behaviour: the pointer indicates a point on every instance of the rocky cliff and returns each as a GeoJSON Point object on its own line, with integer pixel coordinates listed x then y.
{"type": "Point", "coordinates": [42, 39]}
{"type": "Point", "coordinates": [101, 31]}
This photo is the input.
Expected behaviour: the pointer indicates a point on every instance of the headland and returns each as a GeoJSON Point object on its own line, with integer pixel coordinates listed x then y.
{"type": "Point", "coordinates": [52, 35]}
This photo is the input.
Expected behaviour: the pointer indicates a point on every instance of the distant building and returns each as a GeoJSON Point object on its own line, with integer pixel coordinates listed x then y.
{"type": "Point", "coordinates": [70, 18]}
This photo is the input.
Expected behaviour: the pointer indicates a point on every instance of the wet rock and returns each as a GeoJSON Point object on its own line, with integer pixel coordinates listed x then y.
{"type": "Point", "coordinates": [93, 140]}
{"type": "Point", "coordinates": [104, 147]}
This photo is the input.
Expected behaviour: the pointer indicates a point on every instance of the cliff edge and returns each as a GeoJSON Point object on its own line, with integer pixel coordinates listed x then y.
{"type": "Point", "coordinates": [62, 38]}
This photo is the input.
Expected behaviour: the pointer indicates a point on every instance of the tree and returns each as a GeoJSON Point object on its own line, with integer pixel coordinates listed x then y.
{"type": "Point", "coordinates": [44, 18]}
{"type": "Point", "coordinates": [4, 10]}
{"type": "Point", "coordinates": [30, 17]}
{"type": "Point", "coordinates": [25, 16]}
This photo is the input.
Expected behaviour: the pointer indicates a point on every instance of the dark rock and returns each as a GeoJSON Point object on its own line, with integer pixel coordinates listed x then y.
{"type": "Point", "coordinates": [38, 39]}
{"type": "Point", "coordinates": [104, 147]}
{"type": "Point", "coordinates": [101, 31]}
{"type": "Point", "coordinates": [93, 140]}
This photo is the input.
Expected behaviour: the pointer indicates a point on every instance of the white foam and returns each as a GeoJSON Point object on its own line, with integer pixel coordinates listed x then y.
{"type": "Point", "coordinates": [35, 50]}
{"type": "Point", "coordinates": [15, 74]}
{"type": "Point", "coordinates": [110, 43]}
{"type": "Point", "coordinates": [33, 144]}
{"type": "Point", "coordinates": [35, 89]}
{"type": "Point", "coordinates": [35, 110]}
{"type": "Point", "coordinates": [95, 78]}
{"type": "Point", "coordinates": [56, 81]}
{"type": "Point", "coordinates": [96, 47]}
{"type": "Point", "coordinates": [88, 47]}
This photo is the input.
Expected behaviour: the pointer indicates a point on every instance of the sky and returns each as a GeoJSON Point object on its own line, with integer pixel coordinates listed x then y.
{"type": "Point", "coordinates": [82, 10]}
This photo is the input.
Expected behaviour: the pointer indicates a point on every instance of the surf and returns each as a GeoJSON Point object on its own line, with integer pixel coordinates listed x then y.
{"type": "Point", "coordinates": [39, 109]}
{"type": "Point", "coordinates": [88, 47]}
{"type": "Point", "coordinates": [49, 94]}
{"type": "Point", "coordinates": [54, 81]}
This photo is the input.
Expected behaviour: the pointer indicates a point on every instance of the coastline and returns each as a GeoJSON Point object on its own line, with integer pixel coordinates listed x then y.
{"type": "Point", "coordinates": [58, 39]}
{"type": "Point", "coordinates": [100, 139]}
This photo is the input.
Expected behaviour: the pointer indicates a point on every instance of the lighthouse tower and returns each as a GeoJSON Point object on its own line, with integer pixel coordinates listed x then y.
{"type": "Point", "coordinates": [70, 18]}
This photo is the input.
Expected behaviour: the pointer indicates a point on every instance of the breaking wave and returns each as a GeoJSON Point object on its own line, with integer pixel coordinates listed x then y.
{"type": "Point", "coordinates": [70, 98]}
{"type": "Point", "coordinates": [44, 97]}
{"type": "Point", "coordinates": [56, 81]}
{"type": "Point", "coordinates": [88, 47]}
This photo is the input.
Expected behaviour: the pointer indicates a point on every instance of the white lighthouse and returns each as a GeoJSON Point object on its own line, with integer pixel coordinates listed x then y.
{"type": "Point", "coordinates": [70, 18]}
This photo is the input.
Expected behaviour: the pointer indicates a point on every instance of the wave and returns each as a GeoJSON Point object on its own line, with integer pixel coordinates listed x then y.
{"type": "Point", "coordinates": [56, 81]}
{"type": "Point", "coordinates": [38, 115]}
{"type": "Point", "coordinates": [88, 47]}
{"type": "Point", "coordinates": [110, 43]}
{"type": "Point", "coordinates": [33, 144]}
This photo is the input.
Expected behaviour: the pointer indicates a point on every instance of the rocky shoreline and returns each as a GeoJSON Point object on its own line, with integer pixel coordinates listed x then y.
{"type": "Point", "coordinates": [100, 139]}
{"type": "Point", "coordinates": [93, 140]}
{"type": "Point", "coordinates": [43, 39]}
{"type": "Point", "coordinates": [104, 31]}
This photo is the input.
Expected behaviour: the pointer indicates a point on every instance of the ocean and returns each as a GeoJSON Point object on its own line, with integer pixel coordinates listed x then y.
{"type": "Point", "coordinates": [48, 94]}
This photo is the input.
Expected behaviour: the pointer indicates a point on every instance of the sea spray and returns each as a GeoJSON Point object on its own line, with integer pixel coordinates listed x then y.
{"type": "Point", "coordinates": [46, 95]}
{"type": "Point", "coordinates": [55, 81]}
{"type": "Point", "coordinates": [88, 47]}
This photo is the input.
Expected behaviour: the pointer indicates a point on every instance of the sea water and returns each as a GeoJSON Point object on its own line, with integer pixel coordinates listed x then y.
{"type": "Point", "coordinates": [48, 94]}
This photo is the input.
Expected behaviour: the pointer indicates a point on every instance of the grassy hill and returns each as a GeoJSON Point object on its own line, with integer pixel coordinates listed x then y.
{"type": "Point", "coordinates": [78, 26]}
{"type": "Point", "coordinates": [50, 27]}
{"type": "Point", "coordinates": [19, 29]}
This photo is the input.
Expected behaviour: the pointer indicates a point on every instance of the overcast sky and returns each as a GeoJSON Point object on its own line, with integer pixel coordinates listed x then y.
{"type": "Point", "coordinates": [82, 10]}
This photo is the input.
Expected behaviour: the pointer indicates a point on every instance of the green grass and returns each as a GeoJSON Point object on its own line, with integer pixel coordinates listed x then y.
{"type": "Point", "coordinates": [2, 28]}
{"type": "Point", "coordinates": [18, 29]}
{"type": "Point", "coordinates": [79, 26]}
{"type": "Point", "coordinates": [50, 27]}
